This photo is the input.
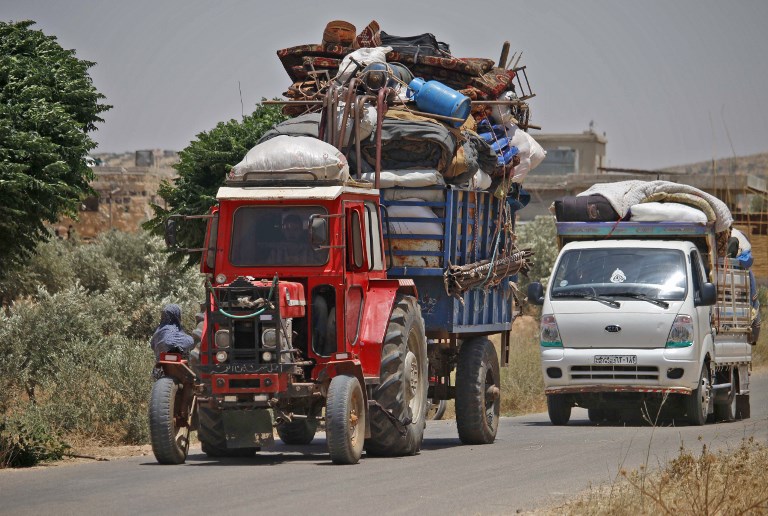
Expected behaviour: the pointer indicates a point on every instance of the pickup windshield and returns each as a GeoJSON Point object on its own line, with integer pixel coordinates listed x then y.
{"type": "Point", "coordinates": [658, 274]}
{"type": "Point", "coordinates": [270, 235]}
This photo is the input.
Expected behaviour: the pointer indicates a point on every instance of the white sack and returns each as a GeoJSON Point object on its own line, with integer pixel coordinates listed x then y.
{"type": "Point", "coordinates": [364, 56]}
{"type": "Point", "coordinates": [744, 244]}
{"type": "Point", "coordinates": [367, 122]}
{"type": "Point", "coordinates": [292, 157]}
{"type": "Point", "coordinates": [406, 177]}
{"type": "Point", "coordinates": [503, 114]}
{"type": "Point", "coordinates": [480, 181]}
{"type": "Point", "coordinates": [398, 194]}
{"type": "Point", "coordinates": [665, 211]}
{"type": "Point", "coordinates": [414, 228]}
{"type": "Point", "coordinates": [531, 153]}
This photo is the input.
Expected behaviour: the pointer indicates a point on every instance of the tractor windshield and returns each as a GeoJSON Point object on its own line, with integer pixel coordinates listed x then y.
{"type": "Point", "coordinates": [275, 235]}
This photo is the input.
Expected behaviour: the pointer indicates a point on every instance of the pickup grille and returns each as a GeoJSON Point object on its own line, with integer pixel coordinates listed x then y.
{"type": "Point", "coordinates": [614, 372]}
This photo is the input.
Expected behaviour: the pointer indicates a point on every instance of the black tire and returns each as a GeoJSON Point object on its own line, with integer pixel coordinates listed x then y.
{"type": "Point", "coordinates": [725, 410]}
{"type": "Point", "coordinates": [478, 391]}
{"type": "Point", "coordinates": [697, 404]}
{"type": "Point", "coordinates": [213, 440]}
{"type": "Point", "coordinates": [437, 410]}
{"type": "Point", "coordinates": [345, 420]}
{"type": "Point", "coordinates": [596, 415]}
{"type": "Point", "coordinates": [298, 431]}
{"type": "Point", "coordinates": [403, 383]}
{"type": "Point", "coordinates": [170, 443]}
{"type": "Point", "coordinates": [559, 409]}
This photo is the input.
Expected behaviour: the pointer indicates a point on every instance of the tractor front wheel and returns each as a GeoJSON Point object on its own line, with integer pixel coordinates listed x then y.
{"type": "Point", "coordinates": [403, 383]}
{"type": "Point", "coordinates": [168, 432]}
{"type": "Point", "coordinates": [345, 420]}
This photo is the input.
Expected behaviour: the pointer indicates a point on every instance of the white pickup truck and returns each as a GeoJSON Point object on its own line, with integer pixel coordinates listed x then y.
{"type": "Point", "coordinates": [645, 313]}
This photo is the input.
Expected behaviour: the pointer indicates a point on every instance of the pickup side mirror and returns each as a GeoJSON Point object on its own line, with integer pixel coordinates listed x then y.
{"type": "Point", "coordinates": [536, 293]}
{"type": "Point", "coordinates": [170, 233]}
{"type": "Point", "coordinates": [318, 231]}
{"type": "Point", "coordinates": [707, 296]}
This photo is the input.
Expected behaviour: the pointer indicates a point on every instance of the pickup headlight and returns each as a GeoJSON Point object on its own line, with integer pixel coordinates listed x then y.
{"type": "Point", "coordinates": [549, 334]}
{"type": "Point", "coordinates": [681, 333]}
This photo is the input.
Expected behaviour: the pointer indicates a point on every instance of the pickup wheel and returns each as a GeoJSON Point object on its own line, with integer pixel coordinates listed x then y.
{"type": "Point", "coordinates": [345, 420]}
{"type": "Point", "coordinates": [478, 392]}
{"type": "Point", "coordinates": [697, 404]}
{"type": "Point", "coordinates": [212, 438]}
{"type": "Point", "coordinates": [299, 431]}
{"type": "Point", "coordinates": [559, 409]}
{"type": "Point", "coordinates": [169, 435]}
{"type": "Point", "coordinates": [742, 406]}
{"type": "Point", "coordinates": [403, 383]}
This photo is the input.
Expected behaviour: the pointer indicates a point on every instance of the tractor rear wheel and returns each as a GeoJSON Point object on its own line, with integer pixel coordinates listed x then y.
{"type": "Point", "coordinates": [478, 391]}
{"type": "Point", "coordinates": [299, 431]}
{"type": "Point", "coordinates": [212, 438]}
{"type": "Point", "coordinates": [345, 420]}
{"type": "Point", "coordinates": [403, 383]}
{"type": "Point", "coordinates": [169, 435]}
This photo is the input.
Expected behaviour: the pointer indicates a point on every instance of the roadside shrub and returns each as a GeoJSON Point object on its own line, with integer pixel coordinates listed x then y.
{"type": "Point", "coordinates": [26, 438]}
{"type": "Point", "coordinates": [130, 253]}
{"type": "Point", "coordinates": [540, 235]}
{"type": "Point", "coordinates": [51, 268]}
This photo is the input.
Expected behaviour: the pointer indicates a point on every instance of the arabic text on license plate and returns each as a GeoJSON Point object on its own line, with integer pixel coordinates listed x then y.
{"type": "Point", "coordinates": [616, 359]}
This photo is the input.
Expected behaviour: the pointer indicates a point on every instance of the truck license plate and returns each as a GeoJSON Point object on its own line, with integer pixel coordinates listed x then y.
{"type": "Point", "coordinates": [616, 359]}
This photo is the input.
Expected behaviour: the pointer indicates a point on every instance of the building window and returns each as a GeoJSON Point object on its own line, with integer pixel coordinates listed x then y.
{"type": "Point", "coordinates": [90, 204]}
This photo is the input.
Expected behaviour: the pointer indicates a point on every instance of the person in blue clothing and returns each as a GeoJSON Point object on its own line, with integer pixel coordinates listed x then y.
{"type": "Point", "coordinates": [169, 335]}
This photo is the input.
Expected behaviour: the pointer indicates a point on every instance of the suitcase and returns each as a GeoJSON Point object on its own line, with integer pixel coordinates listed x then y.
{"type": "Point", "coordinates": [585, 208]}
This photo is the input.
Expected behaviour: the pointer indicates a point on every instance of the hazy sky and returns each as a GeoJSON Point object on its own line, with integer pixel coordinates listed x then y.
{"type": "Point", "coordinates": [667, 81]}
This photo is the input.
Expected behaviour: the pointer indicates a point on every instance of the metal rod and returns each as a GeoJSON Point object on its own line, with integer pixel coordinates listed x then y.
{"type": "Point", "coordinates": [504, 54]}
{"type": "Point", "coordinates": [381, 108]}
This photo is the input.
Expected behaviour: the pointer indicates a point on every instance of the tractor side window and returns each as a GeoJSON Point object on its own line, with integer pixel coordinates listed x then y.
{"type": "Point", "coordinates": [373, 240]}
{"type": "Point", "coordinates": [323, 318]}
{"type": "Point", "coordinates": [213, 233]}
{"type": "Point", "coordinates": [356, 239]}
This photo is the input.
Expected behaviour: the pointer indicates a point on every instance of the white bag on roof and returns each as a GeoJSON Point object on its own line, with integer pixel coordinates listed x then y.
{"type": "Point", "coordinates": [409, 178]}
{"type": "Point", "coordinates": [669, 211]}
{"type": "Point", "coordinates": [292, 157]}
{"type": "Point", "coordinates": [364, 56]}
{"type": "Point", "coordinates": [530, 152]}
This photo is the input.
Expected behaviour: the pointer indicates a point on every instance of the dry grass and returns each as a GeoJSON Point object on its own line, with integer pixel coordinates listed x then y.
{"type": "Point", "coordinates": [709, 483]}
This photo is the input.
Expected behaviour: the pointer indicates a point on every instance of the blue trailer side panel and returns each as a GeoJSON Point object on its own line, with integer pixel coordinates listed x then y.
{"type": "Point", "coordinates": [468, 222]}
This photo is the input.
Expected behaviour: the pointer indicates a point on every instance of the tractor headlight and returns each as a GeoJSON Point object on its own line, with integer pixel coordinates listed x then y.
{"type": "Point", "coordinates": [266, 356]}
{"type": "Point", "coordinates": [221, 356]}
{"type": "Point", "coordinates": [269, 338]}
{"type": "Point", "coordinates": [223, 339]}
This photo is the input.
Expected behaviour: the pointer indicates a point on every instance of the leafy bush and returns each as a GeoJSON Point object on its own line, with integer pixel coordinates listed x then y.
{"type": "Point", "coordinates": [26, 439]}
{"type": "Point", "coordinates": [540, 235]}
{"type": "Point", "coordinates": [76, 360]}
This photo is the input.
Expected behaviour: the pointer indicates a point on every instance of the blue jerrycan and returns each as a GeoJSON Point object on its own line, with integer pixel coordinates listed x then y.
{"type": "Point", "coordinates": [437, 98]}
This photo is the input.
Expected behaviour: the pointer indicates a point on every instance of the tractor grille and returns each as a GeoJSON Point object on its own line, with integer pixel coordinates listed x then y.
{"type": "Point", "coordinates": [614, 372]}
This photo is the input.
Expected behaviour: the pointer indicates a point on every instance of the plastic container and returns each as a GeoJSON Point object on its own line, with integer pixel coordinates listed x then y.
{"type": "Point", "coordinates": [437, 98]}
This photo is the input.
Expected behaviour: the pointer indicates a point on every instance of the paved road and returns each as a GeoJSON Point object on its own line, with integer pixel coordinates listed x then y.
{"type": "Point", "coordinates": [532, 464]}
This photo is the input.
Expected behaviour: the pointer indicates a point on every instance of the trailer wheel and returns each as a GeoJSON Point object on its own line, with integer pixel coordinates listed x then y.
{"type": "Point", "coordinates": [345, 420]}
{"type": "Point", "coordinates": [212, 438]}
{"type": "Point", "coordinates": [299, 431]}
{"type": "Point", "coordinates": [403, 383]}
{"type": "Point", "coordinates": [478, 391]}
{"type": "Point", "coordinates": [170, 440]}
{"type": "Point", "coordinates": [559, 409]}
{"type": "Point", "coordinates": [697, 404]}
{"type": "Point", "coordinates": [725, 410]}
{"type": "Point", "coordinates": [437, 410]}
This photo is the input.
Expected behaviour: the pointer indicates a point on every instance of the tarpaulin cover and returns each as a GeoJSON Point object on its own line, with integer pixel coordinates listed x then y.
{"type": "Point", "coordinates": [411, 144]}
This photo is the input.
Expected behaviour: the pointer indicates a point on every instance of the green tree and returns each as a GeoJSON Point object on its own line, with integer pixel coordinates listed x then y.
{"type": "Point", "coordinates": [48, 105]}
{"type": "Point", "coordinates": [203, 166]}
{"type": "Point", "coordinates": [540, 234]}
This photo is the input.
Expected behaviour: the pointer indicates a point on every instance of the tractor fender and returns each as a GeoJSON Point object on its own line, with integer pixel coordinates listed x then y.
{"type": "Point", "coordinates": [380, 299]}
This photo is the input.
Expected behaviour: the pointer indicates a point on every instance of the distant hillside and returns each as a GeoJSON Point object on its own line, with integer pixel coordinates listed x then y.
{"type": "Point", "coordinates": [756, 165]}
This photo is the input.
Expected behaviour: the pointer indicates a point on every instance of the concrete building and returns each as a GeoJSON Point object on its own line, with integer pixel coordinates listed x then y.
{"type": "Point", "coordinates": [581, 154]}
